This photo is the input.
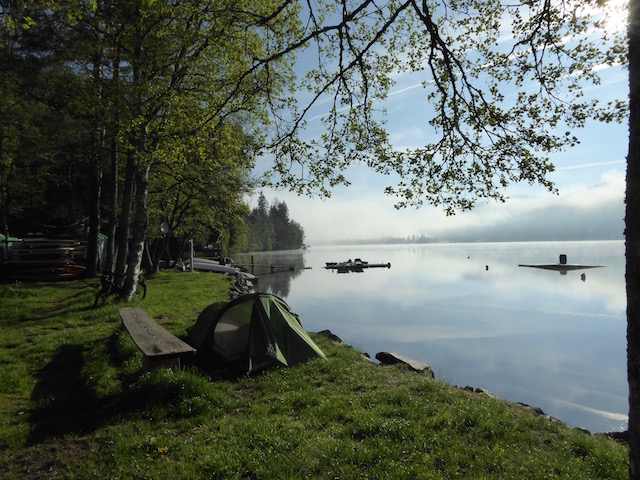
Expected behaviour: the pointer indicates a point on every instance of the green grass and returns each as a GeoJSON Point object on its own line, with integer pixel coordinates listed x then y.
{"type": "Point", "coordinates": [74, 404]}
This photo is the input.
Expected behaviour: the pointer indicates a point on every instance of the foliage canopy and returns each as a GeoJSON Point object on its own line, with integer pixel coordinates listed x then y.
{"type": "Point", "coordinates": [503, 83]}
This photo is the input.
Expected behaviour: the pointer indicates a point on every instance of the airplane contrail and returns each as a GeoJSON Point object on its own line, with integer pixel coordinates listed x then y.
{"type": "Point", "coordinates": [589, 165]}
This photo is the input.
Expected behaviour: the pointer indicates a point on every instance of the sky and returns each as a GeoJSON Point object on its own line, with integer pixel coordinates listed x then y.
{"type": "Point", "coordinates": [590, 179]}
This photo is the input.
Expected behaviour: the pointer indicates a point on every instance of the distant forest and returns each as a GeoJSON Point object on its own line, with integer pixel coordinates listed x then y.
{"type": "Point", "coordinates": [270, 228]}
{"type": "Point", "coordinates": [412, 239]}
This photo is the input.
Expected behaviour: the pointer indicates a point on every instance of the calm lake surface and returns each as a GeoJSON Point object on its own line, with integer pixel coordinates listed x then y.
{"type": "Point", "coordinates": [552, 341]}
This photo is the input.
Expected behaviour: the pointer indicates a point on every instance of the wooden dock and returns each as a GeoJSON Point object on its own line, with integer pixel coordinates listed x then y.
{"type": "Point", "coordinates": [356, 265]}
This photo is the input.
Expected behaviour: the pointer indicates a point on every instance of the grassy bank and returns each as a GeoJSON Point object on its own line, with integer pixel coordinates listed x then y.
{"type": "Point", "coordinates": [74, 405]}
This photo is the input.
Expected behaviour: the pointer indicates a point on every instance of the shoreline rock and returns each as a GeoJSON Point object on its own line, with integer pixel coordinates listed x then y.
{"type": "Point", "coordinates": [393, 358]}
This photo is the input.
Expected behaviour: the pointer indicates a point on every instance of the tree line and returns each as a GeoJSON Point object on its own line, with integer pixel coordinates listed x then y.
{"type": "Point", "coordinates": [270, 228]}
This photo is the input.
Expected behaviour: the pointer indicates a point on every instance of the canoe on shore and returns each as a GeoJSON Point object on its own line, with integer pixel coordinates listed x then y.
{"type": "Point", "coordinates": [207, 265]}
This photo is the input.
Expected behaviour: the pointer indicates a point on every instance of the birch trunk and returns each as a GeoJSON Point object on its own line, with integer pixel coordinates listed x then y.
{"type": "Point", "coordinates": [110, 263]}
{"type": "Point", "coordinates": [93, 244]}
{"type": "Point", "coordinates": [122, 239]}
{"type": "Point", "coordinates": [139, 235]}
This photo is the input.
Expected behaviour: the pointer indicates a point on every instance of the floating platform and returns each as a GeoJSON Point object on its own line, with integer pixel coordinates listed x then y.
{"type": "Point", "coordinates": [356, 265]}
{"type": "Point", "coordinates": [562, 266]}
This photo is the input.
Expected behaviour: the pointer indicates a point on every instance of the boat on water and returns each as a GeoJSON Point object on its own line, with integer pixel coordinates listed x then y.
{"type": "Point", "coordinates": [356, 265]}
{"type": "Point", "coordinates": [562, 266]}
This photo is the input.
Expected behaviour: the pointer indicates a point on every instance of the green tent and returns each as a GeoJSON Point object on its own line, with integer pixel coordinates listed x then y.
{"type": "Point", "coordinates": [253, 333]}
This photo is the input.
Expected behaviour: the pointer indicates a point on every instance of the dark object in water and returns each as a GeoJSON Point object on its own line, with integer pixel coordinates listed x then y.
{"type": "Point", "coordinates": [356, 265]}
{"type": "Point", "coordinates": [563, 267]}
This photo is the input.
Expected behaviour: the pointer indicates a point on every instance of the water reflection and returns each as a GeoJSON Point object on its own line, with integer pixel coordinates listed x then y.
{"type": "Point", "coordinates": [275, 270]}
{"type": "Point", "coordinates": [552, 341]}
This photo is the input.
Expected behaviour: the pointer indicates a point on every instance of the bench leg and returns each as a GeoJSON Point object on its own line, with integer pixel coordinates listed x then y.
{"type": "Point", "coordinates": [149, 364]}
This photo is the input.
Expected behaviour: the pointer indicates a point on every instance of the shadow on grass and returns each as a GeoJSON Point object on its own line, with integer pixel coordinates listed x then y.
{"type": "Point", "coordinates": [63, 402]}
{"type": "Point", "coordinates": [72, 302]}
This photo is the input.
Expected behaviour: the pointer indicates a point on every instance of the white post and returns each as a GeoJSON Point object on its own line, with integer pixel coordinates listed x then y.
{"type": "Point", "coordinates": [191, 254]}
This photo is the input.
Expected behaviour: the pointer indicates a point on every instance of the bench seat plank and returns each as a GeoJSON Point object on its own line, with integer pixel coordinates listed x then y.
{"type": "Point", "coordinates": [155, 342]}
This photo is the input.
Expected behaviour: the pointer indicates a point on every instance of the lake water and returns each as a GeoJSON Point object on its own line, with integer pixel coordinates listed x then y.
{"type": "Point", "coordinates": [557, 342]}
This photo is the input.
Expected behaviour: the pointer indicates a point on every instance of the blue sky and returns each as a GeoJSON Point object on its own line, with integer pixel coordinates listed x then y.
{"type": "Point", "coordinates": [590, 179]}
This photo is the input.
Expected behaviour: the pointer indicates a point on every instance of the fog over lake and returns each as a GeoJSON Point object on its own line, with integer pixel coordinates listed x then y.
{"type": "Point", "coordinates": [557, 342]}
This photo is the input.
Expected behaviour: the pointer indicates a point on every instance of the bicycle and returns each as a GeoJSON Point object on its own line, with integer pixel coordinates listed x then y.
{"type": "Point", "coordinates": [109, 287]}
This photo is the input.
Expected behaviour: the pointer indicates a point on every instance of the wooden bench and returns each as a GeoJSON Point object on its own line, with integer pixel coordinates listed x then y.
{"type": "Point", "coordinates": [159, 347]}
